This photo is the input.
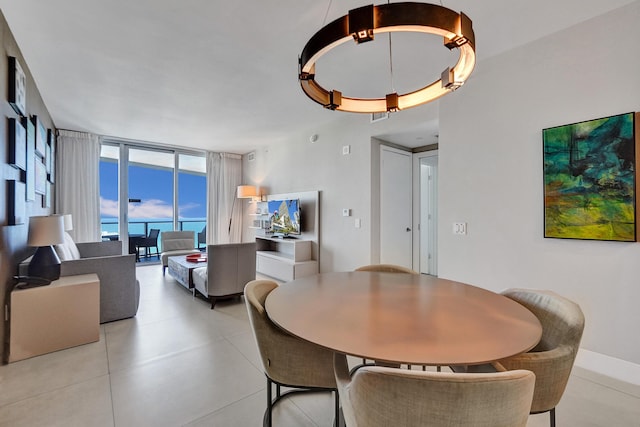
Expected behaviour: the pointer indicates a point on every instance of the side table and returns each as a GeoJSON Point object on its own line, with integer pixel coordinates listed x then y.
{"type": "Point", "coordinates": [44, 319]}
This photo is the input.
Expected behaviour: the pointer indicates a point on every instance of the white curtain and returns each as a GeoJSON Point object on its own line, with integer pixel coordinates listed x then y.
{"type": "Point", "coordinates": [224, 212]}
{"type": "Point", "coordinates": [78, 183]}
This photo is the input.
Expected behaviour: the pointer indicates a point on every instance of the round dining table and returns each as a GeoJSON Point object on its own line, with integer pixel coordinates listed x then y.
{"type": "Point", "coordinates": [403, 318]}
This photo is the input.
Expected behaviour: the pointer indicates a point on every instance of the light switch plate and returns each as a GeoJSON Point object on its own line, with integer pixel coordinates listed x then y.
{"type": "Point", "coordinates": [460, 228]}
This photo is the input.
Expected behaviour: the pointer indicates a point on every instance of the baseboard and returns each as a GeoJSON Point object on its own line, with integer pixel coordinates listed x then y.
{"type": "Point", "coordinates": [608, 371]}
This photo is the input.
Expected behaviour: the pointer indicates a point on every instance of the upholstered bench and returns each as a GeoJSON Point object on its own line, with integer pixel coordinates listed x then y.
{"type": "Point", "coordinates": [176, 243]}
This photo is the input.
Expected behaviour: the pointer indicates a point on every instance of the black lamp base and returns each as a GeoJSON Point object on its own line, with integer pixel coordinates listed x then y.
{"type": "Point", "coordinates": [45, 263]}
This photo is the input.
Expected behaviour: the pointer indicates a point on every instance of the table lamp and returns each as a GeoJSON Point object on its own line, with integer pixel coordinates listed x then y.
{"type": "Point", "coordinates": [45, 231]}
{"type": "Point", "coordinates": [68, 222]}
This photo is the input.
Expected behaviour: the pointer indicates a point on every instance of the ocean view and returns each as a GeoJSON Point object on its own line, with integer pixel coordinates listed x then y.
{"type": "Point", "coordinates": [151, 194]}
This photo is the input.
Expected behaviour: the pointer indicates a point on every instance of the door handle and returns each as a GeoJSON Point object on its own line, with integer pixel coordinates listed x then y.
{"type": "Point", "coordinates": [408, 229]}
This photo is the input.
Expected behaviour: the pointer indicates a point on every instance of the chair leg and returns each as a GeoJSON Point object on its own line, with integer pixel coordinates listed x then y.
{"type": "Point", "coordinates": [164, 270]}
{"type": "Point", "coordinates": [552, 417]}
{"type": "Point", "coordinates": [269, 403]}
{"type": "Point", "coordinates": [336, 422]}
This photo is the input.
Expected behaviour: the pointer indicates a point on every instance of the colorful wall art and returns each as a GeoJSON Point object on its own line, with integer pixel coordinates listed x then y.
{"type": "Point", "coordinates": [590, 180]}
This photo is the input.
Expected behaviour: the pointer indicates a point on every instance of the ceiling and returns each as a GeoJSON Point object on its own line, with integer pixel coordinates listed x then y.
{"type": "Point", "coordinates": [222, 76]}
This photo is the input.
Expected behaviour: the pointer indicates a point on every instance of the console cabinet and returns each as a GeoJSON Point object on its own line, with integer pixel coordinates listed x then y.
{"type": "Point", "coordinates": [64, 314]}
{"type": "Point", "coordinates": [285, 259]}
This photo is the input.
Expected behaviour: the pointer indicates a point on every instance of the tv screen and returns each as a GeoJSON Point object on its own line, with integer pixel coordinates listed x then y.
{"type": "Point", "coordinates": [284, 216]}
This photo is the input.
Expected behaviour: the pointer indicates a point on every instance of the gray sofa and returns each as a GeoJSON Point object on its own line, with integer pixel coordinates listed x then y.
{"type": "Point", "coordinates": [176, 243]}
{"type": "Point", "coordinates": [119, 288]}
{"type": "Point", "coordinates": [229, 268]}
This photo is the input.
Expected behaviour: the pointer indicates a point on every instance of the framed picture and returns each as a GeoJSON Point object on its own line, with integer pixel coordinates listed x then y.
{"type": "Point", "coordinates": [17, 87]}
{"type": "Point", "coordinates": [16, 213]}
{"type": "Point", "coordinates": [30, 170]}
{"type": "Point", "coordinates": [590, 179]}
{"type": "Point", "coordinates": [47, 158]}
{"type": "Point", "coordinates": [46, 200]}
{"type": "Point", "coordinates": [41, 136]}
{"type": "Point", "coordinates": [17, 144]}
{"type": "Point", "coordinates": [41, 177]}
{"type": "Point", "coordinates": [51, 169]}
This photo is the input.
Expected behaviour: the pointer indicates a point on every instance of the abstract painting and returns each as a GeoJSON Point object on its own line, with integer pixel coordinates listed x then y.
{"type": "Point", "coordinates": [590, 180]}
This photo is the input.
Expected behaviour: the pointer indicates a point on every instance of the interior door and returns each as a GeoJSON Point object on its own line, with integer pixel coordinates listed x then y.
{"type": "Point", "coordinates": [395, 207]}
{"type": "Point", "coordinates": [429, 215]}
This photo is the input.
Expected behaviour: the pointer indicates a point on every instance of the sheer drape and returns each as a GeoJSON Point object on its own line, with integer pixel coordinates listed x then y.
{"type": "Point", "coordinates": [224, 213]}
{"type": "Point", "coordinates": [78, 185]}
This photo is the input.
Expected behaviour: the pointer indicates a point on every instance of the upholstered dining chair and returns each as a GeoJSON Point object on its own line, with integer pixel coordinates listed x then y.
{"type": "Point", "coordinates": [287, 361]}
{"type": "Point", "coordinates": [378, 396]}
{"type": "Point", "coordinates": [552, 359]}
{"type": "Point", "coordinates": [384, 268]}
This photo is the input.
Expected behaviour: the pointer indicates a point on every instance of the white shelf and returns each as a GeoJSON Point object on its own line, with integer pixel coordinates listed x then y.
{"type": "Point", "coordinates": [284, 259]}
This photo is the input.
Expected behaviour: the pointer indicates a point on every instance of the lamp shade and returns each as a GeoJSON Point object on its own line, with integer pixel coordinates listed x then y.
{"type": "Point", "coordinates": [247, 191]}
{"type": "Point", "coordinates": [46, 230]}
{"type": "Point", "coordinates": [68, 222]}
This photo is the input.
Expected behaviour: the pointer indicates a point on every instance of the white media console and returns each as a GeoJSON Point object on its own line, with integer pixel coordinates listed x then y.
{"type": "Point", "coordinates": [284, 258]}
{"type": "Point", "coordinates": [290, 258]}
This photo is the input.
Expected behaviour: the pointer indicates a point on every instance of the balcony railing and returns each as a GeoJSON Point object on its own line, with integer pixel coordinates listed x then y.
{"type": "Point", "coordinates": [109, 227]}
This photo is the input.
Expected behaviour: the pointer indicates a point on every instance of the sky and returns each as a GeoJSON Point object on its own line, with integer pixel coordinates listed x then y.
{"type": "Point", "coordinates": [155, 189]}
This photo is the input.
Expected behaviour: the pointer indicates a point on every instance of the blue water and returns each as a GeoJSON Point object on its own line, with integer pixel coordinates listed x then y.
{"type": "Point", "coordinates": [137, 226]}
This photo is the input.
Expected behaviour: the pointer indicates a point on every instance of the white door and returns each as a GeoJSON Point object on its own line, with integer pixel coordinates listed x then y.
{"type": "Point", "coordinates": [429, 215]}
{"type": "Point", "coordinates": [395, 207]}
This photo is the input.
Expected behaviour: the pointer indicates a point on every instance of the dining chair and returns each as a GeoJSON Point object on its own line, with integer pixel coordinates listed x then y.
{"type": "Point", "coordinates": [286, 360]}
{"type": "Point", "coordinates": [202, 237]}
{"type": "Point", "coordinates": [552, 359]}
{"type": "Point", "coordinates": [384, 268]}
{"type": "Point", "coordinates": [151, 241]}
{"type": "Point", "coordinates": [377, 396]}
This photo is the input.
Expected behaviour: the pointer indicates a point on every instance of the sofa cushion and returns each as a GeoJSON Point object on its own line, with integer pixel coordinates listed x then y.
{"type": "Point", "coordinates": [200, 277]}
{"type": "Point", "coordinates": [177, 244]}
{"type": "Point", "coordinates": [68, 250]}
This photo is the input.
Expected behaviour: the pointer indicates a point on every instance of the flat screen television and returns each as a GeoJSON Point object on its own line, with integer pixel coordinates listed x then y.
{"type": "Point", "coordinates": [284, 217]}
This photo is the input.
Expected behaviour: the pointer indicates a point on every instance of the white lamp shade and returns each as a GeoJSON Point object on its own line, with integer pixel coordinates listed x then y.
{"type": "Point", "coordinates": [247, 191]}
{"type": "Point", "coordinates": [68, 222]}
{"type": "Point", "coordinates": [46, 230]}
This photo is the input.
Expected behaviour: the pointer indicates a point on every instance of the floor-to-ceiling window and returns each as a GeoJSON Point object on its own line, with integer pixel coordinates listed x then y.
{"type": "Point", "coordinates": [150, 179]}
{"type": "Point", "coordinates": [192, 190]}
{"type": "Point", "coordinates": [162, 189]}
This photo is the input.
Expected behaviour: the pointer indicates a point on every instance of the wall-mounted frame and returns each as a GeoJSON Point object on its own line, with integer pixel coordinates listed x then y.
{"type": "Point", "coordinates": [17, 87]}
{"type": "Point", "coordinates": [51, 167]}
{"type": "Point", "coordinates": [31, 158]}
{"type": "Point", "coordinates": [46, 200]}
{"type": "Point", "coordinates": [47, 158]}
{"type": "Point", "coordinates": [41, 177]}
{"type": "Point", "coordinates": [41, 136]}
{"type": "Point", "coordinates": [590, 179]}
{"type": "Point", "coordinates": [17, 144]}
{"type": "Point", "coordinates": [16, 213]}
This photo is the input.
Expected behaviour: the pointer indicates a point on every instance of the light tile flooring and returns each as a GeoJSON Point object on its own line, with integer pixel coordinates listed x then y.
{"type": "Point", "coordinates": [178, 363]}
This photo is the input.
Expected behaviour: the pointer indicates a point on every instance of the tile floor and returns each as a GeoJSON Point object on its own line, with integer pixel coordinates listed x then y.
{"type": "Point", "coordinates": [178, 363]}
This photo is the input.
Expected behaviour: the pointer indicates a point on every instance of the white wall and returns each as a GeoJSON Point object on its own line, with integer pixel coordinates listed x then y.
{"type": "Point", "coordinates": [299, 165]}
{"type": "Point", "coordinates": [345, 181]}
{"type": "Point", "coordinates": [491, 174]}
